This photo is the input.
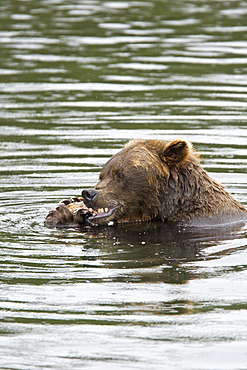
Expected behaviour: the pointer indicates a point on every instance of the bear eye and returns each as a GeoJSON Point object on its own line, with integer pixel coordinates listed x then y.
{"type": "Point", "coordinates": [119, 176]}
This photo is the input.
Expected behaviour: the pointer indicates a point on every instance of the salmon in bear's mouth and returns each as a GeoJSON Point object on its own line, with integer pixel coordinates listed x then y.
{"type": "Point", "coordinates": [102, 213]}
{"type": "Point", "coordinates": [94, 216]}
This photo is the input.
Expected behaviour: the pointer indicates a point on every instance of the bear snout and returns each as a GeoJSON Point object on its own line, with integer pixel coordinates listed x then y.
{"type": "Point", "coordinates": [88, 196]}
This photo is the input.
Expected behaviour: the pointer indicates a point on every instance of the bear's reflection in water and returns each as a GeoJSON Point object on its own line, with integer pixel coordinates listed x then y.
{"type": "Point", "coordinates": [155, 251]}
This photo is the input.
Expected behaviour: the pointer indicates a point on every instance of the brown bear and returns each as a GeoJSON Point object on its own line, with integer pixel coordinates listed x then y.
{"type": "Point", "coordinates": [156, 180]}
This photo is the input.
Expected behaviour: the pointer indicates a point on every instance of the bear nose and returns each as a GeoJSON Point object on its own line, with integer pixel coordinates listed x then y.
{"type": "Point", "coordinates": [88, 194]}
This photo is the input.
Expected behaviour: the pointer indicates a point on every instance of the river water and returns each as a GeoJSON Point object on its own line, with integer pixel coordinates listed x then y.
{"type": "Point", "coordinates": [78, 79]}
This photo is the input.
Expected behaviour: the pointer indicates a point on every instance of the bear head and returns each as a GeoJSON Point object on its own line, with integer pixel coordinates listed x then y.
{"type": "Point", "coordinates": [146, 180]}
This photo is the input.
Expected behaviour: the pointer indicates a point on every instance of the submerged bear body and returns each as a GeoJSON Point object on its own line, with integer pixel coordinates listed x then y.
{"type": "Point", "coordinates": [158, 180]}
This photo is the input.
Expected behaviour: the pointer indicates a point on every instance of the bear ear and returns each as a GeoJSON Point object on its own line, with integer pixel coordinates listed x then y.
{"type": "Point", "coordinates": [176, 152]}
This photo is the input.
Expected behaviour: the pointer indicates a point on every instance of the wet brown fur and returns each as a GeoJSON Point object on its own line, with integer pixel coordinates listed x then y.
{"type": "Point", "coordinates": [154, 179]}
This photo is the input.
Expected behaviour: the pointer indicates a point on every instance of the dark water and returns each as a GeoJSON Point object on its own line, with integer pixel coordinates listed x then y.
{"type": "Point", "coordinates": [77, 80]}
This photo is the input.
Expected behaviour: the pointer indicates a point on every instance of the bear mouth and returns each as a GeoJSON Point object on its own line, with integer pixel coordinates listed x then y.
{"type": "Point", "coordinates": [102, 215]}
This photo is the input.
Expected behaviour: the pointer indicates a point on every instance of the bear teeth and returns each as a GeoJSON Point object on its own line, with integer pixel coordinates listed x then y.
{"type": "Point", "coordinates": [102, 210]}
